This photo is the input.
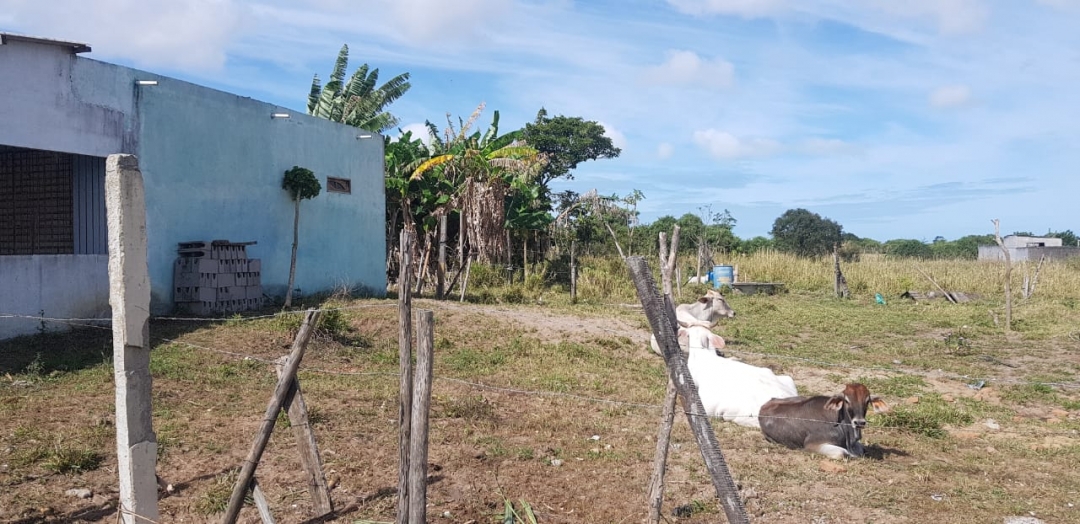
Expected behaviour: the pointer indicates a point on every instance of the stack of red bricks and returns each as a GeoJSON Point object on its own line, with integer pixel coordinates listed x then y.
{"type": "Point", "coordinates": [212, 278]}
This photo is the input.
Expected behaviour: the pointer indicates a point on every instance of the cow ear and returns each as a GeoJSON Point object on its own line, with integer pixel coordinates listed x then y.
{"type": "Point", "coordinates": [835, 403]}
{"type": "Point", "coordinates": [717, 341]}
{"type": "Point", "coordinates": [684, 338]}
{"type": "Point", "coordinates": [703, 300]}
{"type": "Point", "coordinates": [879, 405]}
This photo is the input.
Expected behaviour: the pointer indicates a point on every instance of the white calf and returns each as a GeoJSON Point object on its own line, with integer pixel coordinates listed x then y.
{"type": "Point", "coordinates": [728, 388]}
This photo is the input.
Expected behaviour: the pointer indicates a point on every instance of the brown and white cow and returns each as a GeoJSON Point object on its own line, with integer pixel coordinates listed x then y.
{"type": "Point", "coordinates": [831, 426]}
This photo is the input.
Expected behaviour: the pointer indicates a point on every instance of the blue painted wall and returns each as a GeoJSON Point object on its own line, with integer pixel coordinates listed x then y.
{"type": "Point", "coordinates": [213, 163]}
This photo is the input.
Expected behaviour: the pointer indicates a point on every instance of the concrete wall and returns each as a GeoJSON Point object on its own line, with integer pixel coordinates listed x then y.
{"type": "Point", "coordinates": [212, 164]}
{"type": "Point", "coordinates": [56, 101]}
{"type": "Point", "coordinates": [1028, 253]}
{"type": "Point", "coordinates": [55, 286]}
{"type": "Point", "coordinates": [1013, 241]}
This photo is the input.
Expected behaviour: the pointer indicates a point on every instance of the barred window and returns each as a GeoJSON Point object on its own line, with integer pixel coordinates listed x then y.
{"type": "Point", "coordinates": [36, 209]}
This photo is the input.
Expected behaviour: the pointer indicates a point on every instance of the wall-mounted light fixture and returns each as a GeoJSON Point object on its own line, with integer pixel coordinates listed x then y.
{"type": "Point", "coordinates": [362, 137]}
{"type": "Point", "coordinates": [279, 115]}
{"type": "Point", "coordinates": [146, 82]}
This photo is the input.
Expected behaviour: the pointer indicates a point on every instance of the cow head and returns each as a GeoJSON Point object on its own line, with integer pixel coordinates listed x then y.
{"type": "Point", "coordinates": [698, 337]}
{"type": "Point", "coordinates": [854, 401]}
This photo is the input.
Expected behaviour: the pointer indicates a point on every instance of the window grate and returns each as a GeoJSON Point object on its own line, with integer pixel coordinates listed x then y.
{"type": "Point", "coordinates": [339, 185]}
{"type": "Point", "coordinates": [36, 203]}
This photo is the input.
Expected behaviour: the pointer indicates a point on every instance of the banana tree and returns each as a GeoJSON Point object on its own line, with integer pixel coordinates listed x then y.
{"type": "Point", "coordinates": [482, 167]}
{"type": "Point", "coordinates": [358, 102]}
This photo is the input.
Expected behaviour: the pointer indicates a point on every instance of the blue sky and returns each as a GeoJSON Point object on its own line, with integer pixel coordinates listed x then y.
{"type": "Point", "coordinates": [904, 119]}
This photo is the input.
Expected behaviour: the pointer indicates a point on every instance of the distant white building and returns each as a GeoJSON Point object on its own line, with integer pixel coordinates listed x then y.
{"type": "Point", "coordinates": [1023, 248]}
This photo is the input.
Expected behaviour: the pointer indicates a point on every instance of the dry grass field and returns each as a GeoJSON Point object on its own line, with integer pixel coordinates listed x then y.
{"type": "Point", "coordinates": [521, 386]}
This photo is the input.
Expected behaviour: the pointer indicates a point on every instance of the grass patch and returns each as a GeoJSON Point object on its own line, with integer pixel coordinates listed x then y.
{"type": "Point", "coordinates": [901, 386]}
{"type": "Point", "coordinates": [473, 407]}
{"type": "Point", "coordinates": [216, 497]}
{"type": "Point", "coordinates": [67, 459]}
{"type": "Point", "coordinates": [475, 362]}
{"type": "Point", "coordinates": [1027, 394]}
{"type": "Point", "coordinates": [928, 417]}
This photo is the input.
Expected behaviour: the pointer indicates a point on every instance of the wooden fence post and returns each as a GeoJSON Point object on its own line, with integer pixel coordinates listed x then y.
{"type": "Point", "coordinates": [405, 368]}
{"type": "Point", "coordinates": [440, 279]}
{"type": "Point", "coordinates": [129, 296]}
{"type": "Point", "coordinates": [1008, 275]}
{"type": "Point", "coordinates": [667, 416]}
{"type": "Point", "coordinates": [243, 482]}
{"type": "Point", "coordinates": [421, 404]}
{"type": "Point", "coordinates": [573, 273]}
{"type": "Point", "coordinates": [659, 313]}
{"type": "Point", "coordinates": [305, 442]}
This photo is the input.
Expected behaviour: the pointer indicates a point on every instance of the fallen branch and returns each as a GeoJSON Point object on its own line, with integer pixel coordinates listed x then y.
{"type": "Point", "coordinates": [948, 296]}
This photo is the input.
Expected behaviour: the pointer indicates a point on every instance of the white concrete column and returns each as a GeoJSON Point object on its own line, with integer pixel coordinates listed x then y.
{"type": "Point", "coordinates": [129, 296]}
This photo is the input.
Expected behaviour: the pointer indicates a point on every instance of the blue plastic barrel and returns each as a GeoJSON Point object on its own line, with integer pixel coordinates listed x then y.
{"type": "Point", "coordinates": [723, 275]}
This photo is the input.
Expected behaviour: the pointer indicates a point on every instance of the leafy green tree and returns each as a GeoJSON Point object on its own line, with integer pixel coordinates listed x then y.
{"type": "Point", "coordinates": [358, 102]}
{"type": "Point", "coordinates": [566, 142]}
{"type": "Point", "coordinates": [753, 245]}
{"type": "Point", "coordinates": [1068, 238]}
{"type": "Point", "coordinates": [301, 185]}
{"type": "Point", "coordinates": [967, 247]}
{"type": "Point", "coordinates": [908, 248]}
{"type": "Point", "coordinates": [804, 233]}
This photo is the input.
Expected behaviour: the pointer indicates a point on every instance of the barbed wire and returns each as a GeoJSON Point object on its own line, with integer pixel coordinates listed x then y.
{"type": "Point", "coordinates": [571, 396]}
{"type": "Point", "coordinates": [83, 322]}
{"type": "Point", "coordinates": [584, 398]}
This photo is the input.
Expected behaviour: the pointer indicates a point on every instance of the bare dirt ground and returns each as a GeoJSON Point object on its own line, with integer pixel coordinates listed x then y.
{"type": "Point", "coordinates": [530, 420]}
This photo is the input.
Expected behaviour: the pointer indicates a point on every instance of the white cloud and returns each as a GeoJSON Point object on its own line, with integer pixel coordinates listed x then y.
{"type": "Point", "coordinates": [431, 21]}
{"type": "Point", "coordinates": [665, 150]}
{"type": "Point", "coordinates": [744, 8]}
{"type": "Point", "coordinates": [419, 130]}
{"type": "Point", "coordinates": [687, 68]}
{"type": "Point", "coordinates": [952, 16]}
{"type": "Point", "coordinates": [950, 96]}
{"type": "Point", "coordinates": [724, 145]}
{"type": "Point", "coordinates": [616, 136]}
{"type": "Point", "coordinates": [185, 34]}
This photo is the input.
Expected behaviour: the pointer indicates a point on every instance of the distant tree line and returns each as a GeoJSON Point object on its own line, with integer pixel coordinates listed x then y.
{"type": "Point", "coordinates": [490, 191]}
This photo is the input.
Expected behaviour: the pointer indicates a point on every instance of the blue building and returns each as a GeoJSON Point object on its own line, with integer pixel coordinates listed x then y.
{"type": "Point", "coordinates": [212, 164]}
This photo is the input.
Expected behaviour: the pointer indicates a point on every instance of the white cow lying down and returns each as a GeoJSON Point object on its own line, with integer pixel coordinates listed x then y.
{"type": "Point", "coordinates": [728, 388]}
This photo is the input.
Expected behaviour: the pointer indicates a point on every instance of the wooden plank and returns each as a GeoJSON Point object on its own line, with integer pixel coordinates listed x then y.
{"type": "Point", "coordinates": [662, 321]}
{"type": "Point", "coordinates": [247, 471]}
{"type": "Point", "coordinates": [260, 503]}
{"type": "Point", "coordinates": [405, 368]}
{"type": "Point", "coordinates": [305, 443]}
{"type": "Point", "coordinates": [421, 404]}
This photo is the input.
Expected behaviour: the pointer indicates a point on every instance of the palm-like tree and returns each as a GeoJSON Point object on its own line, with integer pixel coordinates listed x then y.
{"type": "Point", "coordinates": [482, 168]}
{"type": "Point", "coordinates": [358, 102]}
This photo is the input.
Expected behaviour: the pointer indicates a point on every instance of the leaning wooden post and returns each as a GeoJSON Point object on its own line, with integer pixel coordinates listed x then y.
{"type": "Point", "coordinates": [1008, 275]}
{"type": "Point", "coordinates": [247, 472]}
{"type": "Point", "coordinates": [660, 319]}
{"type": "Point", "coordinates": [405, 367]}
{"type": "Point", "coordinates": [840, 286]}
{"type": "Point", "coordinates": [305, 443]}
{"type": "Point", "coordinates": [129, 296]}
{"type": "Point", "coordinates": [667, 416]}
{"type": "Point", "coordinates": [421, 405]}
{"type": "Point", "coordinates": [465, 283]}
{"type": "Point", "coordinates": [574, 272]}
{"type": "Point", "coordinates": [440, 279]}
